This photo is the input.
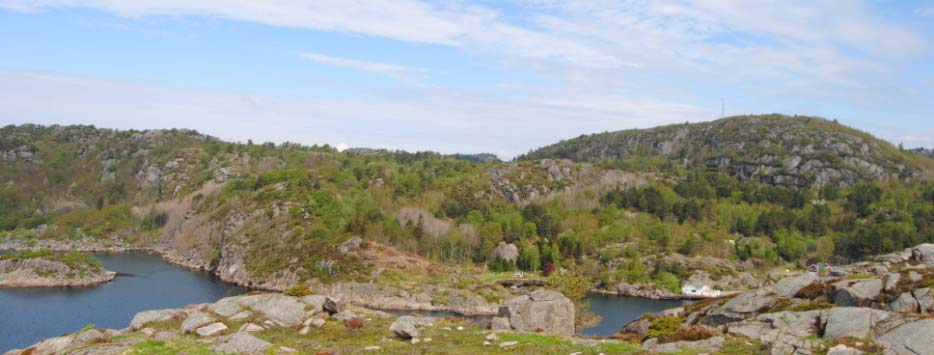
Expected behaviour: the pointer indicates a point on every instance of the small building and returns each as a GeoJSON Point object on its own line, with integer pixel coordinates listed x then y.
{"type": "Point", "coordinates": [697, 290]}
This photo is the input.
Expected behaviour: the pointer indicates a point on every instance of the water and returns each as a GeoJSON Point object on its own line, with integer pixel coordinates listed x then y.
{"type": "Point", "coordinates": [146, 282]}
{"type": "Point", "coordinates": [143, 282]}
{"type": "Point", "coordinates": [617, 311]}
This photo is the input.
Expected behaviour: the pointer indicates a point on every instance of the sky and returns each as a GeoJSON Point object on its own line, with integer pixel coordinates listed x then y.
{"type": "Point", "coordinates": [503, 76]}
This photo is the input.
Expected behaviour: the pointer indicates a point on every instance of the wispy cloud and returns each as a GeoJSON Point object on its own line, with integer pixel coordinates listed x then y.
{"type": "Point", "coordinates": [374, 67]}
{"type": "Point", "coordinates": [606, 56]}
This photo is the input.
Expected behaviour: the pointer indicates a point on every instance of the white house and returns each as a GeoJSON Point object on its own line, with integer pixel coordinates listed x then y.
{"type": "Point", "coordinates": [699, 290]}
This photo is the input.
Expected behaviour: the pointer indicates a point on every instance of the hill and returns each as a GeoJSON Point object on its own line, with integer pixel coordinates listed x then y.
{"type": "Point", "coordinates": [774, 149]}
{"type": "Point", "coordinates": [273, 216]}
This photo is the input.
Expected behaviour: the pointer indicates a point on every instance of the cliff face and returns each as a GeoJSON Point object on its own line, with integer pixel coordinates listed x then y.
{"type": "Point", "coordinates": [775, 149]}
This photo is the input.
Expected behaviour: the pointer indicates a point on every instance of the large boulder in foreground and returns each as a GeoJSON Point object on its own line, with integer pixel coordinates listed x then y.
{"type": "Point", "coordinates": [285, 310]}
{"type": "Point", "coordinates": [540, 311]}
{"type": "Point", "coordinates": [911, 338]}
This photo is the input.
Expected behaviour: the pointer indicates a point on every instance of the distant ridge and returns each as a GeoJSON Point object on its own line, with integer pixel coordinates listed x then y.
{"type": "Point", "coordinates": [774, 149]}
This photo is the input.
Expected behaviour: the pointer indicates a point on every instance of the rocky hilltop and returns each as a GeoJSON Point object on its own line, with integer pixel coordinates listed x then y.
{"type": "Point", "coordinates": [881, 306]}
{"type": "Point", "coordinates": [44, 269]}
{"type": "Point", "coordinates": [774, 149]}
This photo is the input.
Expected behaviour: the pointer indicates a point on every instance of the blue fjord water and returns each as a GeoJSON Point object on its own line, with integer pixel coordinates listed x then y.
{"type": "Point", "coordinates": [143, 282]}
{"type": "Point", "coordinates": [146, 282]}
{"type": "Point", "coordinates": [617, 311]}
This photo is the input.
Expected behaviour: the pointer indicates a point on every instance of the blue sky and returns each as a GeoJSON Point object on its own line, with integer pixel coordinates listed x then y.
{"type": "Point", "coordinates": [455, 76]}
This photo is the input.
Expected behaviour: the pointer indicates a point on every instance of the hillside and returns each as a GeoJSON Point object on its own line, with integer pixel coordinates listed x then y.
{"type": "Point", "coordinates": [774, 149]}
{"type": "Point", "coordinates": [273, 216]}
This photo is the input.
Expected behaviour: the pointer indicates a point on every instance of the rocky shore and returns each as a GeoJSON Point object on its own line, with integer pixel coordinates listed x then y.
{"type": "Point", "coordinates": [264, 323]}
{"type": "Point", "coordinates": [38, 272]}
{"type": "Point", "coordinates": [231, 270]}
{"type": "Point", "coordinates": [877, 307]}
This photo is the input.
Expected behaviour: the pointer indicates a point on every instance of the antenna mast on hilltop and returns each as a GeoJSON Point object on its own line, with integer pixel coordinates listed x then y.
{"type": "Point", "coordinates": [722, 108]}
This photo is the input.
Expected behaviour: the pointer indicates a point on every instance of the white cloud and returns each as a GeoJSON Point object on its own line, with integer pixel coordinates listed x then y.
{"type": "Point", "coordinates": [448, 122]}
{"type": "Point", "coordinates": [375, 67]}
{"type": "Point", "coordinates": [928, 11]}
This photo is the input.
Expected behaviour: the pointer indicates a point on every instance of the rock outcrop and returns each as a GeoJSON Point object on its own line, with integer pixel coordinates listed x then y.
{"type": "Point", "coordinates": [539, 311]}
{"type": "Point", "coordinates": [881, 303]}
{"type": "Point", "coordinates": [39, 272]}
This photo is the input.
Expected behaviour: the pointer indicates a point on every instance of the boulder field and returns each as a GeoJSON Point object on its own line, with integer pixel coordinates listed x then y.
{"type": "Point", "coordinates": [883, 306]}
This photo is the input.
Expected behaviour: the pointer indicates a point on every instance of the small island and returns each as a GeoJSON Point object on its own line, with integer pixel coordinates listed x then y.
{"type": "Point", "coordinates": [43, 268]}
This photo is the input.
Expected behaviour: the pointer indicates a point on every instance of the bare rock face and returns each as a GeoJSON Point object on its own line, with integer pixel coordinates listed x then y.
{"type": "Point", "coordinates": [540, 311]}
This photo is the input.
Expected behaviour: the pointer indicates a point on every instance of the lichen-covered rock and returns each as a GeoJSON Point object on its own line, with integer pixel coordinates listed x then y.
{"type": "Point", "coordinates": [225, 307]}
{"type": "Point", "coordinates": [858, 294]}
{"type": "Point", "coordinates": [905, 303]}
{"type": "Point", "coordinates": [240, 343]}
{"type": "Point", "coordinates": [842, 349]}
{"type": "Point", "coordinates": [911, 338]}
{"type": "Point", "coordinates": [790, 286]}
{"type": "Point", "coordinates": [709, 344]}
{"type": "Point", "coordinates": [286, 310]}
{"type": "Point", "coordinates": [857, 322]}
{"type": "Point", "coordinates": [923, 253]}
{"type": "Point", "coordinates": [500, 324]}
{"type": "Point", "coordinates": [925, 300]}
{"type": "Point", "coordinates": [141, 319]}
{"type": "Point", "coordinates": [404, 327]}
{"type": "Point", "coordinates": [195, 320]}
{"type": "Point", "coordinates": [211, 329]}
{"type": "Point", "coordinates": [740, 307]}
{"type": "Point", "coordinates": [540, 311]}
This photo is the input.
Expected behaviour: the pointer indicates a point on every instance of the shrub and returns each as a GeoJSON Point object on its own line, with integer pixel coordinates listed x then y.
{"type": "Point", "coordinates": [691, 333]}
{"type": "Point", "coordinates": [298, 291]}
{"type": "Point", "coordinates": [663, 327]}
{"type": "Point", "coordinates": [813, 290]}
{"type": "Point", "coordinates": [355, 323]}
